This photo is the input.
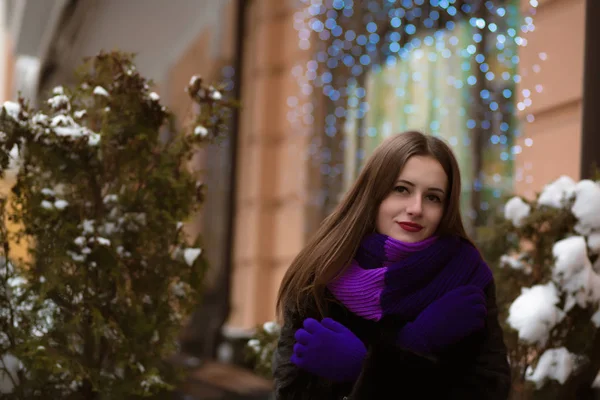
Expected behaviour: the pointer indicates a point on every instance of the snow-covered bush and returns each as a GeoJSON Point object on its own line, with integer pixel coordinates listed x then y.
{"type": "Point", "coordinates": [261, 347]}
{"type": "Point", "coordinates": [95, 310]}
{"type": "Point", "coordinates": [548, 278]}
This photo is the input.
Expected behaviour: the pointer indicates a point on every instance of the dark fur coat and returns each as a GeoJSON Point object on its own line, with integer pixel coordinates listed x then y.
{"type": "Point", "coordinates": [475, 368]}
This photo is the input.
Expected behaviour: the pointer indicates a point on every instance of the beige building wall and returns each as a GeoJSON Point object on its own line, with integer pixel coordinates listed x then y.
{"type": "Point", "coordinates": [8, 61]}
{"type": "Point", "coordinates": [213, 48]}
{"type": "Point", "coordinates": [196, 60]}
{"type": "Point", "coordinates": [17, 250]}
{"type": "Point", "coordinates": [553, 58]}
{"type": "Point", "coordinates": [271, 187]}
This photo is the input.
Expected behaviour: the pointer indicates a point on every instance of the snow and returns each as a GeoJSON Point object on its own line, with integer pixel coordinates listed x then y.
{"type": "Point", "coordinates": [14, 161]}
{"type": "Point", "coordinates": [77, 131]}
{"type": "Point", "coordinates": [152, 380]}
{"type": "Point", "coordinates": [191, 254]}
{"type": "Point", "coordinates": [39, 118]}
{"type": "Point", "coordinates": [594, 242]}
{"type": "Point", "coordinates": [516, 210]}
{"type": "Point", "coordinates": [9, 363]}
{"type": "Point", "coordinates": [140, 366]}
{"type": "Point", "coordinates": [109, 198]}
{"type": "Point", "coordinates": [194, 79]}
{"type": "Point", "coordinates": [100, 91]}
{"type": "Point", "coordinates": [47, 205]}
{"type": "Point", "coordinates": [80, 241]}
{"type": "Point", "coordinates": [574, 279]}
{"type": "Point", "coordinates": [534, 313]}
{"type": "Point", "coordinates": [271, 327]}
{"type": "Point", "coordinates": [556, 193]}
{"type": "Point", "coordinates": [514, 262]}
{"type": "Point", "coordinates": [58, 101]}
{"type": "Point", "coordinates": [154, 96]}
{"type": "Point", "coordinates": [586, 207]}
{"type": "Point", "coordinates": [201, 131]}
{"type": "Point", "coordinates": [596, 319]}
{"type": "Point", "coordinates": [69, 128]}
{"type": "Point", "coordinates": [79, 114]}
{"type": "Point", "coordinates": [14, 152]}
{"type": "Point", "coordinates": [596, 383]}
{"type": "Point", "coordinates": [13, 109]}
{"type": "Point", "coordinates": [140, 218]}
{"type": "Point", "coordinates": [61, 204]}
{"type": "Point", "coordinates": [73, 131]}
{"type": "Point", "coordinates": [48, 192]}
{"type": "Point", "coordinates": [94, 139]}
{"type": "Point", "coordinates": [178, 289]}
{"type": "Point", "coordinates": [88, 226]}
{"type": "Point", "coordinates": [556, 364]}
{"type": "Point", "coordinates": [570, 253]}
{"type": "Point", "coordinates": [76, 257]}
{"type": "Point", "coordinates": [58, 90]}
{"type": "Point", "coordinates": [103, 241]}
{"type": "Point", "coordinates": [573, 272]}
{"type": "Point", "coordinates": [216, 95]}
{"type": "Point", "coordinates": [78, 298]}
{"type": "Point", "coordinates": [109, 228]}
{"type": "Point", "coordinates": [120, 250]}
{"type": "Point", "coordinates": [254, 344]}
{"type": "Point", "coordinates": [61, 119]}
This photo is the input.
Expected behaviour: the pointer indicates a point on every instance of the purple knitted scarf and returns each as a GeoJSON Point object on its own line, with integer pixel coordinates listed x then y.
{"type": "Point", "coordinates": [389, 277]}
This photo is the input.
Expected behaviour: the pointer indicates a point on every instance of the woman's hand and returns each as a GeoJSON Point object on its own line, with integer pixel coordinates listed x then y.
{"type": "Point", "coordinates": [454, 316]}
{"type": "Point", "coordinates": [328, 349]}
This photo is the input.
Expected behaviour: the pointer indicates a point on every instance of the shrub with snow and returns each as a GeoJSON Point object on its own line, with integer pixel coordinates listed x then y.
{"type": "Point", "coordinates": [261, 348]}
{"type": "Point", "coordinates": [102, 185]}
{"type": "Point", "coordinates": [548, 280]}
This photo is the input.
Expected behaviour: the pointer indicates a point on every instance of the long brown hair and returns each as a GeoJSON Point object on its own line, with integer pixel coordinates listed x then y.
{"type": "Point", "coordinates": [336, 241]}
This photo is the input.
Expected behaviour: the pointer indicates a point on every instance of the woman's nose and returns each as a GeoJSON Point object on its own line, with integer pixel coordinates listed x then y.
{"type": "Point", "coordinates": [416, 206]}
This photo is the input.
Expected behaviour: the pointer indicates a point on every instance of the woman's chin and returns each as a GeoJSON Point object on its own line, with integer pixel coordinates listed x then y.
{"type": "Point", "coordinates": [408, 237]}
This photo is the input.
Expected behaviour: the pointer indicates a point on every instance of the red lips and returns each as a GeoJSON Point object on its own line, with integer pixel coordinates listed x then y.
{"type": "Point", "coordinates": [410, 226]}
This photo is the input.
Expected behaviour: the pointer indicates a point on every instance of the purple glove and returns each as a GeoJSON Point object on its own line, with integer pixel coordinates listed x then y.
{"type": "Point", "coordinates": [454, 316]}
{"type": "Point", "coordinates": [328, 349]}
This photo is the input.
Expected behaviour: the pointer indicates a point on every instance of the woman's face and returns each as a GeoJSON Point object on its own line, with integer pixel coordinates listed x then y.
{"type": "Point", "coordinates": [414, 208]}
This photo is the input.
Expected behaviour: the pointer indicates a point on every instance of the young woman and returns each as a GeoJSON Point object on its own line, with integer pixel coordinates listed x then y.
{"type": "Point", "coordinates": [390, 299]}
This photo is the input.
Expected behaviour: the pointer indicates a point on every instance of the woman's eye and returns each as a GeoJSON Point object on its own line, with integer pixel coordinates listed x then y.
{"type": "Point", "coordinates": [400, 189]}
{"type": "Point", "coordinates": [434, 198]}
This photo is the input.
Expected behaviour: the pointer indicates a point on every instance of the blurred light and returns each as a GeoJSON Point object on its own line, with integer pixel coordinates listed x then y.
{"type": "Point", "coordinates": [424, 38]}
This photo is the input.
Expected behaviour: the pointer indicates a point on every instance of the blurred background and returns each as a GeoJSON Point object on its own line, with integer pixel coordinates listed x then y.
{"type": "Point", "coordinates": [512, 85]}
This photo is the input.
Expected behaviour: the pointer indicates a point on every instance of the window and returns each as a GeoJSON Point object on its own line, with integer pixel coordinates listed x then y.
{"type": "Point", "coordinates": [456, 81]}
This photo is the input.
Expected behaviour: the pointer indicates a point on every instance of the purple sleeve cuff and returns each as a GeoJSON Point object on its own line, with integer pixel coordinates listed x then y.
{"type": "Point", "coordinates": [360, 290]}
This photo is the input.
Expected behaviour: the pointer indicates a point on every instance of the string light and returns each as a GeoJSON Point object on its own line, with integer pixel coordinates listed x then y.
{"type": "Point", "coordinates": [353, 38]}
